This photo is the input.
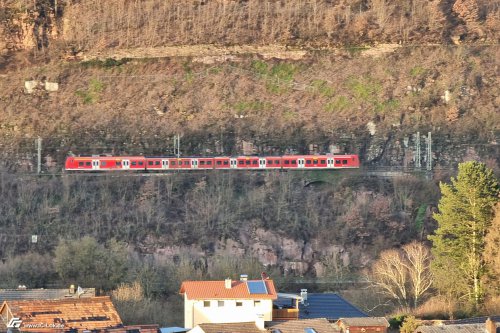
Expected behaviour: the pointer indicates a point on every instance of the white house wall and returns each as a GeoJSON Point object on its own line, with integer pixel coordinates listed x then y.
{"type": "Point", "coordinates": [196, 313]}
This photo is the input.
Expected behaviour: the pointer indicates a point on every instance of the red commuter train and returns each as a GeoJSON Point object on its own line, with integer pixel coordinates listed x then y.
{"type": "Point", "coordinates": [143, 163]}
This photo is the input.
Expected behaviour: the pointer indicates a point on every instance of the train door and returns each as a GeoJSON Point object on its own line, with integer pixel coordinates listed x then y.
{"type": "Point", "coordinates": [262, 163]}
{"type": "Point", "coordinates": [233, 163]}
{"type": "Point", "coordinates": [95, 164]}
{"type": "Point", "coordinates": [329, 162]}
{"type": "Point", "coordinates": [126, 164]}
{"type": "Point", "coordinates": [301, 163]}
{"type": "Point", "coordinates": [164, 164]}
{"type": "Point", "coordinates": [194, 163]}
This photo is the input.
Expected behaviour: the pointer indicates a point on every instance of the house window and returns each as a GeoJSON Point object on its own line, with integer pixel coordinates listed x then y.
{"type": "Point", "coordinates": [206, 304]}
{"type": "Point", "coordinates": [220, 304]}
{"type": "Point", "coordinates": [239, 303]}
{"type": "Point", "coordinates": [256, 303]}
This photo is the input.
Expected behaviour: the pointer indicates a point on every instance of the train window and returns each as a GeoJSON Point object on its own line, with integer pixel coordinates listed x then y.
{"type": "Point", "coordinates": [337, 161]}
{"type": "Point", "coordinates": [254, 162]}
{"type": "Point", "coordinates": [141, 163]}
{"type": "Point", "coordinates": [322, 162]}
{"type": "Point", "coordinates": [277, 162]}
{"type": "Point", "coordinates": [173, 163]}
{"type": "Point", "coordinates": [158, 162]}
{"type": "Point", "coordinates": [186, 162]}
{"type": "Point", "coordinates": [294, 162]}
{"type": "Point", "coordinates": [241, 162]}
{"type": "Point", "coordinates": [219, 162]}
{"type": "Point", "coordinates": [150, 162]}
{"type": "Point", "coordinates": [202, 162]}
{"type": "Point", "coordinates": [269, 162]}
{"type": "Point", "coordinates": [308, 161]}
{"type": "Point", "coordinates": [80, 163]}
{"type": "Point", "coordinates": [315, 162]}
{"type": "Point", "coordinates": [344, 161]}
{"type": "Point", "coordinates": [134, 163]}
{"type": "Point", "coordinates": [247, 162]}
{"type": "Point", "coordinates": [209, 162]}
{"type": "Point", "coordinates": [103, 163]}
{"type": "Point", "coordinates": [118, 163]}
{"type": "Point", "coordinates": [287, 162]}
{"type": "Point", "coordinates": [226, 162]}
{"type": "Point", "coordinates": [87, 163]}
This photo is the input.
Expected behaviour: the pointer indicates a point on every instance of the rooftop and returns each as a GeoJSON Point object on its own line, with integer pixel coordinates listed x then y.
{"type": "Point", "coordinates": [323, 305]}
{"type": "Point", "coordinates": [320, 325]}
{"type": "Point", "coordinates": [45, 315]}
{"type": "Point", "coordinates": [28, 294]}
{"type": "Point", "coordinates": [364, 321]}
{"type": "Point", "coordinates": [251, 289]}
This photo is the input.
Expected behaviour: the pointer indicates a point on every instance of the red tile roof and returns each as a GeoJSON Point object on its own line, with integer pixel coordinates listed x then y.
{"type": "Point", "coordinates": [217, 290]}
{"type": "Point", "coordinates": [57, 315]}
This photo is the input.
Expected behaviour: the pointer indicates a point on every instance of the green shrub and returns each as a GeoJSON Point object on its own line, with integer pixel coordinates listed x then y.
{"type": "Point", "coordinates": [340, 103]}
{"type": "Point", "coordinates": [322, 87]}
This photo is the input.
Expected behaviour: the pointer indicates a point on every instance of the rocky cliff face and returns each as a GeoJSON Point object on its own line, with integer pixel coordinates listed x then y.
{"type": "Point", "coordinates": [292, 257]}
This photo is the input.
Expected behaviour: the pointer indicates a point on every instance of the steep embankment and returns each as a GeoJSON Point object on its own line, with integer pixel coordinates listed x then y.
{"type": "Point", "coordinates": [217, 78]}
{"type": "Point", "coordinates": [238, 77]}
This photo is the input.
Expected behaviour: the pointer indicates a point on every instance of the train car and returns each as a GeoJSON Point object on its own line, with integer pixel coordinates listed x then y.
{"type": "Point", "coordinates": [249, 162]}
{"type": "Point", "coordinates": [105, 163]}
{"type": "Point", "coordinates": [157, 163]}
{"type": "Point", "coordinates": [223, 162]}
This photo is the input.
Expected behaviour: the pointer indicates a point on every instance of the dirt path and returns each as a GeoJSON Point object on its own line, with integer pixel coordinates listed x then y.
{"type": "Point", "coordinates": [212, 53]}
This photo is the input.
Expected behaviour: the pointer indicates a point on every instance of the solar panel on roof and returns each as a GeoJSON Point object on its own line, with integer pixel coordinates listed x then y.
{"type": "Point", "coordinates": [256, 287]}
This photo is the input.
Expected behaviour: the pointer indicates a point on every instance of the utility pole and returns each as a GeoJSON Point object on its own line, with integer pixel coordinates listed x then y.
{"type": "Point", "coordinates": [429, 152]}
{"type": "Point", "coordinates": [418, 164]}
{"type": "Point", "coordinates": [39, 157]}
{"type": "Point", "coordinates": [177, 145]}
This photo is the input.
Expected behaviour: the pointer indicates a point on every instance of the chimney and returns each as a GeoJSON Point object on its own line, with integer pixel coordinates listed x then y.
{"type": "Point", "coordinates": [243, 277]}
{"type": "Point", "coordinates": [491, 326]}
{"type": "Point", "coordinates": [227, 283]}
{"type": "Point", "coordinates": [303, 294]}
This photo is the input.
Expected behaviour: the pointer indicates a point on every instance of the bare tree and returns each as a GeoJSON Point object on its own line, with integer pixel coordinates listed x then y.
{"type": "Point", "coordinates": [391, 276]}
{"type": "Point", "coordinates": [404, 274]}
{"type": "Point", "coordinates": [417, 263]}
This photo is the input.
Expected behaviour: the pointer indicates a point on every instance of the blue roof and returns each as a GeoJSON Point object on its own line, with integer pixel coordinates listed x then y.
{"type": "Point", "coordinates": [327, 305]}
{"type": "Point", "coordinates": [173, 330]}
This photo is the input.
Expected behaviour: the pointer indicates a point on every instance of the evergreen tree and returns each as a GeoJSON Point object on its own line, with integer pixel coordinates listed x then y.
{"type": "Point", "coordinates": [465, 214]}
